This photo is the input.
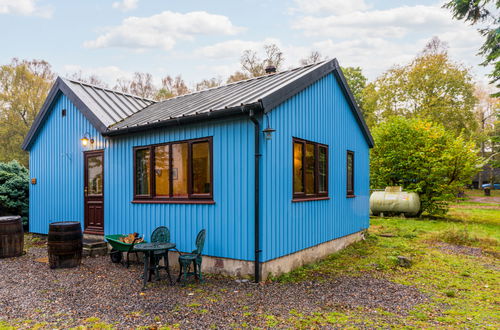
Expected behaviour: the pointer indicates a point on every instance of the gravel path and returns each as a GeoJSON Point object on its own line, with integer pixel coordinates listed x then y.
{"type": "Point", "coordinates": [485, 199]}
{"type": "Point", "coordinates": [461, 249]}
{"type": "Point", "coordinates": [112, 293]}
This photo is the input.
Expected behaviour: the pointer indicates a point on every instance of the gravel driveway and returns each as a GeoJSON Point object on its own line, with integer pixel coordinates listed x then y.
{"type": "Point", "coordinates": [112, 293]}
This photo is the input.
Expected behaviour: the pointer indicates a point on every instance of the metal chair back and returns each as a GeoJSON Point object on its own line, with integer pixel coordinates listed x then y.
{"type": "Point", "coordinates": [160, 235]}
{"type": "Point", "coordinates": [200, 241]}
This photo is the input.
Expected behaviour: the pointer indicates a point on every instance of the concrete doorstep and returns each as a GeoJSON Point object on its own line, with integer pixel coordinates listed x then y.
{"type": "Point", "coordinates": [92, 248]}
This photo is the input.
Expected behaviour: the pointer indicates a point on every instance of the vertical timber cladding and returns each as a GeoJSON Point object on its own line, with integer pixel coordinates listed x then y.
{"type": "Point", "coordinates": [321, 114]}
{"type": "Point", "coordinates": [56, 161]}
{"type": "Point", "coordinates": [229, 221]}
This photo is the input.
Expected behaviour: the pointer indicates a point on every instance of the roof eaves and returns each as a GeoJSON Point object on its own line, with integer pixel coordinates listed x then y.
{"type": "Point", "coordinates": [279, 96]}
{"type": "Point", "coordinates": [186, 119]}
{"type": "Point", "coordinates": [80, 105]}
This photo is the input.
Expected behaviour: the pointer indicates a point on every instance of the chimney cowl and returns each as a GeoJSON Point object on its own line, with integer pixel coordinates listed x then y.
{"type": "Point", "coordinates": [270, 69]}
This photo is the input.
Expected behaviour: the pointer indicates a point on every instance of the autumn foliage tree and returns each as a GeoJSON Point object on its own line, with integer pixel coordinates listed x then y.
{"type": "Point", "coordinates": [171, 87]}
{"type": "Point", "coordinates": [23, 88]}
{"type": "Point", "coordinates": [432, 86]}
{"type": "Point", "coordinates": [422, 157]}
{"type": "Point", "coordinates": [208, 83]}
{"type": "Point", "coordinates": [313, 58]}
{"type": "Point", "coordinates": [253, 65]}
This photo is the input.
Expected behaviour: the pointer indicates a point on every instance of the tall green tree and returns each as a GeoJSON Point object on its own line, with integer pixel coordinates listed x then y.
{"type": "Point", "coordinates": [356, 81]}
{"type": "Point", "coordinates": [23, 88]}
{"type": "Point", "coordinates": [487, 13]}
{"type": "Point", "coordinates": [422, 157]}
{"type": "Point", "coordinates": [432, 86]}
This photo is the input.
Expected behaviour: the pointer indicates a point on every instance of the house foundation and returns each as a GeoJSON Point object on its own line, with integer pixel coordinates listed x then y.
{"type": "Point", "coordinates": [275, 267]}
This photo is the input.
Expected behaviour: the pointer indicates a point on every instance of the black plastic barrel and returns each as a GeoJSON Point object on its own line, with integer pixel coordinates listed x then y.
{"type": "Point", "coordinates": [11, 236]}
{"type": "Point", "coordinates": [65, 244]}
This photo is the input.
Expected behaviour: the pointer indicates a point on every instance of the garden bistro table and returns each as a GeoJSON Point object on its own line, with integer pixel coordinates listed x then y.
{"type": "Point", "coordinates": [150, 262]}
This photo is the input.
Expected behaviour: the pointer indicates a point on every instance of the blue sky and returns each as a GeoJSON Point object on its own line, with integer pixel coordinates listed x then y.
{"type": "Point", "coordinates": [204, 39]}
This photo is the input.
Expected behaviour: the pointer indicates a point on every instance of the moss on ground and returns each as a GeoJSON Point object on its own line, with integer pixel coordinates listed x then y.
{"type": "Point", "coordinates": [455, 262]}
{"type": "Point", "coordinates": [463, 288]}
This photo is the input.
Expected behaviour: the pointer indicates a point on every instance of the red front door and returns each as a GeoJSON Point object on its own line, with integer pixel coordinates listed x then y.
{"type": "Point", "coordinates": [94, 192]}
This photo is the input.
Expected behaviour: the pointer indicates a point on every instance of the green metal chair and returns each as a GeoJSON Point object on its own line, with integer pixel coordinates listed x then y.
{"type": "Point", "coordinates": [194, 258]}
{"type": "Point", "coordinates": [161, 235]}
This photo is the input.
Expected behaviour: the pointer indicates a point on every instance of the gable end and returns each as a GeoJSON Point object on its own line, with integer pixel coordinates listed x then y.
{"type": "Point", "coordinates": [269, 102]}
{"type": "Point", "coordinates": [60, 87]}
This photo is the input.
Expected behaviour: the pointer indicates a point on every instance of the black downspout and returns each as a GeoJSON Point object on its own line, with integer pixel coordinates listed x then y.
{"type": "Point", "coordinates": [257, 196]}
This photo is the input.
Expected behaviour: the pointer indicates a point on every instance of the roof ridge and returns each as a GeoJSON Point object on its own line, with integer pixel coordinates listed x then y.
{"type": "Point", "coordinates": [245, 80]}
{"type": "Point", "coordinates": [107, 89]}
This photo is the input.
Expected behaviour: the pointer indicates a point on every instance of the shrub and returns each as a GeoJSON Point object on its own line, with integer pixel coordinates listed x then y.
{"type": "Point", "coordinates": [422, 157]}
{"type": "Point", "coordinates": [14, 190]}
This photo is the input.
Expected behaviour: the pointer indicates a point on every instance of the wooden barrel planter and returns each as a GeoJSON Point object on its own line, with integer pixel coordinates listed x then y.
{"type": "Point", "coordinates": [65, 244]}
{"type": "Point", "coordinates": [11, 236]}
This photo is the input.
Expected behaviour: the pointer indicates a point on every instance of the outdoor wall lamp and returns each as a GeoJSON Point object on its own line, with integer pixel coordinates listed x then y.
{"type": "Point", "coordinates": [268, 131]}
{"type": "Point", "coordinates": [86, 139]}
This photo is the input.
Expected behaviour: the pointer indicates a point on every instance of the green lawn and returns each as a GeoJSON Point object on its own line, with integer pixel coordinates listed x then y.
{"type": "Point", "coordinates": [463, 289]}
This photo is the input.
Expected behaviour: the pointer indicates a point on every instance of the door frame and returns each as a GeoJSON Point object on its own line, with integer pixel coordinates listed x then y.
{"type": "Point", "coordinates": [91, 231]}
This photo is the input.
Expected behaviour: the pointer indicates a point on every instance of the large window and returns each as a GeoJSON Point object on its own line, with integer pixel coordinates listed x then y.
{"type": "Point", "coordinates": [350, 174]}
{"type": "Point", "coordinates": [310, 169]}
{"type": "Point", "coordinates": [173, 171]}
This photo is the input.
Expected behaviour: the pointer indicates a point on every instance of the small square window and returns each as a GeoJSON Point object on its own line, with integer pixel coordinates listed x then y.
{"type": "Point", "coordinates": [63, 112]}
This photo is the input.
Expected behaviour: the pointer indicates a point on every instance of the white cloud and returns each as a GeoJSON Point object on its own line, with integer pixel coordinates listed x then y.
{"type": "Point", "coordinates": [329, 6]}
{"type": "Point", "coordinates": [163, 30]}
{"type": "Point", "coordinates": [377, 39]}
{"type": "Point", "coordinates": [223, 70]}
{"type": "Point", "coordinates": [125, 5]}
{"type": "Point", "coordinates": [232, 48]}
{"type": "Point", "coordinates": [24, 7]}
{"type": "Point", "coordinates": [373, 55]}
{"type": "Point", "coordinates": [388, 23]}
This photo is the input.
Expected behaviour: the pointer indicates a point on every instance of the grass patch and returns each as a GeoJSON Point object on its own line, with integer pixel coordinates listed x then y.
{"type": "Point", "coordinates": [463, 289]}
{"type": "Point", "coordinates": [475, 215]}
{"type": "Point", "coordinates": [463, 236]}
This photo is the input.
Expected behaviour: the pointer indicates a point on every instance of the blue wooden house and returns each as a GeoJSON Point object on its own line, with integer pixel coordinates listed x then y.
{"type": "Point", "coordinates": [275, 168]}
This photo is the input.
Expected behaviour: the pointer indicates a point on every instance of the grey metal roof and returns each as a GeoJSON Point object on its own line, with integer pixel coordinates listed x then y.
{"type": "Point", "coordinates": [224, 97]}
{"type": "Point", "coordinates": [107, 105]}
{"type": "Point", "coordinates": [114, 113]}
{"type": "Point", "coordinates": [101, 106]}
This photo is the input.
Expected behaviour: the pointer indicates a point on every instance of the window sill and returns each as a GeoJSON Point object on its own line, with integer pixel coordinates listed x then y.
{"type": "Point", "coordinates": [191, 201]}
{"type": "Point", "coordinates": [308, 199]}
{"type": "Point", "coordinates": [350, 196]}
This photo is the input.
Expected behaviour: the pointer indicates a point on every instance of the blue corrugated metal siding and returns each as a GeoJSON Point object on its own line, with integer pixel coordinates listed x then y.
{"type": "Point", "coordinates": [321, 114]}
{"type": "Point", "coordinates": [229, 222]}
{"type": "Point", "coordinates": [56, 161]}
